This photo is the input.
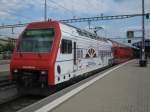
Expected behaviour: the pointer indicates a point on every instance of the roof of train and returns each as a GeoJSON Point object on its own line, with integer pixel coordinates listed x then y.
{"type": "Point", "coordinates": [87, 33]}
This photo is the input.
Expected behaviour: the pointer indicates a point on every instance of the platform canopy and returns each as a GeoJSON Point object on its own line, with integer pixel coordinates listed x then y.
{"type": "Point", "coordinates": [147, 46]}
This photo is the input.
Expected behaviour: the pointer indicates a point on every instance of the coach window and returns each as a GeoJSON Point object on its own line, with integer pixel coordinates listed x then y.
{"type": "Point", "coordinates": [66, 46]}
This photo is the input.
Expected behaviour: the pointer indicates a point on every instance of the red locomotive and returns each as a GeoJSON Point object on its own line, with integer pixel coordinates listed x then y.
{"type": "Point", "coordinates": [50, 53]}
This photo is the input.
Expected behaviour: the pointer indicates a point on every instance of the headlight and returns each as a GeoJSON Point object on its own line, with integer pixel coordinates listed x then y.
{"type": "Point", "coordinates": [15, 70]}
{"type": "Point", "coordinates": [43, 72]}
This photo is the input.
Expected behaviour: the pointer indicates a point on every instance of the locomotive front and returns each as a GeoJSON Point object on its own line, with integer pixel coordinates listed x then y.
{"type": "Point", "coordinates": [33, 59]}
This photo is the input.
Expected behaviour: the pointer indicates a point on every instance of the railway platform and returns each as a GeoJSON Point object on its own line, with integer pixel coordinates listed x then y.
{"type": "Point", "coordinates": [4, 62]}
{"type": "Point", "coordinates": [123, 88]}
{"type": "Point", "coordinates": [4, 71]}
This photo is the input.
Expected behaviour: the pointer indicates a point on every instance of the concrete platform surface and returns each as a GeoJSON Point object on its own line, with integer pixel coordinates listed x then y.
{"type": "Point", "coordinates": [126, 89]}
{"type": "Point", "coordinates": [4, 62]}
{"type": "Point", "coordinates": [4, 71]}
{"type": "Point", "coordinates": [4, 67]}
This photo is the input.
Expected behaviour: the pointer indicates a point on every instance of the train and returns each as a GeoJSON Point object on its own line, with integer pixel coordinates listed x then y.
{"type": "Point", "coordinates": [122, 53]}
{"type": "Point", "coordinates": [50, 53]}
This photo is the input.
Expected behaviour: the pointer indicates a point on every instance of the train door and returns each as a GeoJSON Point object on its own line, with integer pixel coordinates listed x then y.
{"type": "Point", "coordinates": [75, 56]}
{"type": "Point", "coordinates": [66, 56]}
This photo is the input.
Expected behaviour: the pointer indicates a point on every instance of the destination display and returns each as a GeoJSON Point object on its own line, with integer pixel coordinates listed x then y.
{"type": "Point", "coordinates": [39, 32]}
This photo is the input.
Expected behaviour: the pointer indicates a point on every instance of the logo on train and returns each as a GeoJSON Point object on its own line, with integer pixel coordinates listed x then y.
{"type": "Point", "coordinates": [91, 53]}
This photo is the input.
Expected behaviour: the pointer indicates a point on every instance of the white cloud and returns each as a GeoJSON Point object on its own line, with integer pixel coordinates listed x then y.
{"type": "Point", "coordinates": [10, 9]}
{"type": "Point", "coordinates": [96, 7]}
{"type": "Point", "coordinates": [68, 8]}
{"type": "Point", "coordinates": [7, 8]}
{"type": "Point", "coordinates": [74, 7]}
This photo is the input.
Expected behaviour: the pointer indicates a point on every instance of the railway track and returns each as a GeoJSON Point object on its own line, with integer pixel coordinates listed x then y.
{"type": "Point", "coordinates": [19, 103]}
{"type": "Point", "coordinates": [4, 83]}
{"type": "Point", "coordinates": [8, 91]}
{"type": "Point", "coordinates": [11, 100]}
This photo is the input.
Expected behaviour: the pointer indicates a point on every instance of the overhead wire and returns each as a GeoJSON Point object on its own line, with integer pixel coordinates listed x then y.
{"type": "Point", "coordinates": [68, 10]}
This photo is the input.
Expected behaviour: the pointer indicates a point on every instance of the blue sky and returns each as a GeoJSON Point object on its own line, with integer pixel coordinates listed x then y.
{"type": "Point", "coordinates": [22, 11]}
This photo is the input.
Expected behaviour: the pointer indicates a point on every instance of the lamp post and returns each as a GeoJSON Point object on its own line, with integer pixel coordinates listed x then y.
{"type": "Point", "coordinates": [143, 61]}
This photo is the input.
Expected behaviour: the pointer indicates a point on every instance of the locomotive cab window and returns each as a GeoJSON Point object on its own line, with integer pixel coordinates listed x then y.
{"type": "Point", "coordinates": [36, 41]}
{"type": "Point", "coordinates": [66, 46]}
